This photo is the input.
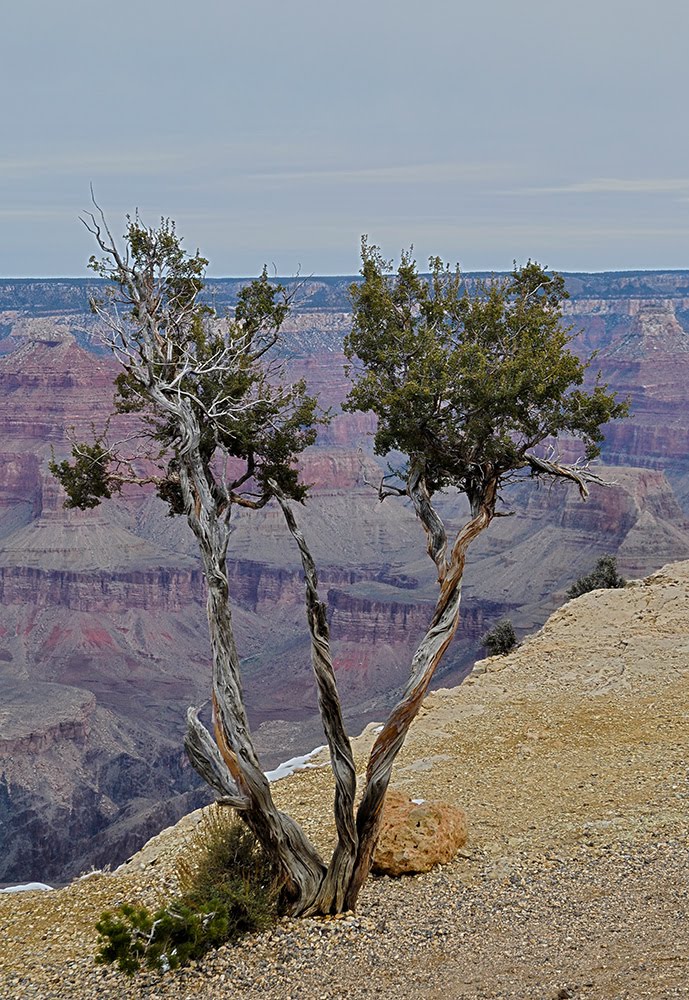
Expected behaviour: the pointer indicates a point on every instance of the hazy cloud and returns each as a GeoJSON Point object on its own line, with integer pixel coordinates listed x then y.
{"type": "Point", "coordinates": [420, 173]}
{"type": "Point", "coordinates": [617, 185]}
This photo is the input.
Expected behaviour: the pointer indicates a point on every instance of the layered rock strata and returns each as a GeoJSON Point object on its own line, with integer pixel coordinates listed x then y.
{"type": "Point", "coordinates": [110, 603]}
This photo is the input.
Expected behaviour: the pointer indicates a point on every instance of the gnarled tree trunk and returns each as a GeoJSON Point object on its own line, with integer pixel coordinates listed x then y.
{"type": "Point", "coordinates": [233, 768]}
{"type": "Point", "coordinates": [230, 764]}
{"type": "Point", "coordinates": [427, 657]}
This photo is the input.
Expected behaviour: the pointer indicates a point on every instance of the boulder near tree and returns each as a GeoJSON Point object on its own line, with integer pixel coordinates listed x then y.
{"type": "Point", "coordinates": [465, 385]}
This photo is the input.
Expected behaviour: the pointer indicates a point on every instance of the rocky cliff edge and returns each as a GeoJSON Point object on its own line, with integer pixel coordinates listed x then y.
{"type": "Point", "coordinates": [570, 758]}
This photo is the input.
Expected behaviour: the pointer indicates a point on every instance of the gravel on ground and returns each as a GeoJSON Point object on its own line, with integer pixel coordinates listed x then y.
{"type": "Point", "coordinates": [571, 759]}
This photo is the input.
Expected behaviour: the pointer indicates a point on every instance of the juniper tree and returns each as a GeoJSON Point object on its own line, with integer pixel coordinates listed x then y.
{"type": "Point", "coordinates": [466, 385]}
{"type": "Point", "coordinates": [227, 434]}
{"type": "Point", "coordinates": [603, 576]}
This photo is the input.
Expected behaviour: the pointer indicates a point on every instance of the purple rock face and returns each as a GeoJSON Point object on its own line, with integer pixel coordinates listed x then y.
{"type": "Point", "coordinates": [103, 640]}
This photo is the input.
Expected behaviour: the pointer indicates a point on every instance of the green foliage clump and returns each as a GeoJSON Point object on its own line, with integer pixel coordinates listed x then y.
{"type": "Point", "coordinates": [603, 576]}
{"type": "Point", "coordinates": [228, 888]}
{"type": "Point", "coordinates": [86, 481]}
{"type": "Point", "coordinates": [501, 639]}
{"type": "Point", "coordinates": [196, 379]}
{"type": "Point", "coordinates": [464, 382]}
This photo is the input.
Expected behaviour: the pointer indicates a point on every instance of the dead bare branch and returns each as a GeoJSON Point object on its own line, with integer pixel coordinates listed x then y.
{"type": "Point", "coordinates": [579, 474]}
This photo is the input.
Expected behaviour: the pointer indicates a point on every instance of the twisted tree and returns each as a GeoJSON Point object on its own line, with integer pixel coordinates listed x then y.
{"type": "Point", "coordinates": [466, 386]}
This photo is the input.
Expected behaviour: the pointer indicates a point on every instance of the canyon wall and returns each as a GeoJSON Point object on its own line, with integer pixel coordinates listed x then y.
{"type": "Point", "coordinates": [103, 642]}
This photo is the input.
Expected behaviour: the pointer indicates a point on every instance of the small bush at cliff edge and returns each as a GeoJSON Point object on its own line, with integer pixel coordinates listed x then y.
{"type": "Point", "coordinates": [228, 889]}
{"type": "Point", "coordinates": [500, 640]}
{"type": "Point", "coordinates": [603, 576]}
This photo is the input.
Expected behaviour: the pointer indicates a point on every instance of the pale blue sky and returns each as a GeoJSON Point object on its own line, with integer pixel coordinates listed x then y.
{"type": "Point", "coordinates": [280, 132]}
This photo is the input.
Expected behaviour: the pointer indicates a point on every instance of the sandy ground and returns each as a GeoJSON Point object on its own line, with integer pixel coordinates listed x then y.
{"type": "Point", "coordinates": [571, 759]}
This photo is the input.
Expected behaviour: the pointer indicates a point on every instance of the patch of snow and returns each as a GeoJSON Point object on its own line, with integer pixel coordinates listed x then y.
{"type": "Point", "coordinates": [293, 764]}
{"type": "Point", "coordinates": [27, 887]}
{"type": "Point", "coordinates": [418, 802]}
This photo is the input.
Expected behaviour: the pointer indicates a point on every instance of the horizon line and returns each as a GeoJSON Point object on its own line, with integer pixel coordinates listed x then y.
{"type": "Point", "coordinates": [352, 276]}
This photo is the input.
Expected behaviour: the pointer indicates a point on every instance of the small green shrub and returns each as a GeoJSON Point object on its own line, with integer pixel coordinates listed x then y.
{"type": "Point", "coordinates": [228, 888]}
{"type": "Point", "coordinates": [501, 639]}
{"type": "Point", "coordinates": [603, 576]}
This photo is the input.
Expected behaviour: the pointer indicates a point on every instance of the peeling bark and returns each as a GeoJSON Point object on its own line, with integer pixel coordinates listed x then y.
{"type": "Point", "coordinates": [281, 836]}
{"type": "Point", "coordinates": [333, 891]}
{"type": "Point", "coordinates": [427, 657]}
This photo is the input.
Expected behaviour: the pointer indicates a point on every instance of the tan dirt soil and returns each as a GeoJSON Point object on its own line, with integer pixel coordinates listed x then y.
{"type": "Point", "coordinates": [570, 757]}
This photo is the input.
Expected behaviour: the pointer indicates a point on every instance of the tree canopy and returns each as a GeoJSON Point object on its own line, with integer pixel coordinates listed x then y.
{"type": "Point", "coordinates": [466, 382]}
{"type": "Point", "coordinates": [200, 381]}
